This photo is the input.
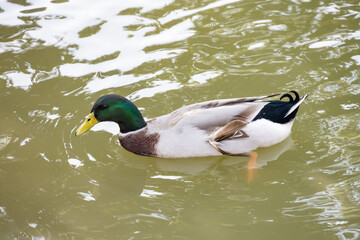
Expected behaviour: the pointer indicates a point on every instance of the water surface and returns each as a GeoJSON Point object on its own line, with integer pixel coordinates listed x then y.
{"type": "Point", "coordinates": [58, 57]}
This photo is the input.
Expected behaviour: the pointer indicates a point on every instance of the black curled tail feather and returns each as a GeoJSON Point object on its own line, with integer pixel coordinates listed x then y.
{"type": "Point", "coordinates": [281, 111]}
{"type": "Point", "coordinates": [297, 97]}
{"type": "Point", "coordinates": [288, 96]}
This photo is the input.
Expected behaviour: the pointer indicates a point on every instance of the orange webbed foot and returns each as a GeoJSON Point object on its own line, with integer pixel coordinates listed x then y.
{"type": "Point", "coordinates": [251, 166]}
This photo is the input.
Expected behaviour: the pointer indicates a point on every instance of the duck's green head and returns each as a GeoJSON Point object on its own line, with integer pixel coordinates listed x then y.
{"type": "Point", "coordinates": [113, 108]}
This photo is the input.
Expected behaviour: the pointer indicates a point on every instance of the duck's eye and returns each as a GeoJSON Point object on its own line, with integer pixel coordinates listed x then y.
{"type": "Point", "coordinates": [103, 106]}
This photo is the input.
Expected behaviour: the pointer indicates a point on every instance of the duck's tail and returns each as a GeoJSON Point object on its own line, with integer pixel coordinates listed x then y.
{"type": "Point", "coordinates": [297, 101]}
{"type": "Point", "coordinates": [281, 111]}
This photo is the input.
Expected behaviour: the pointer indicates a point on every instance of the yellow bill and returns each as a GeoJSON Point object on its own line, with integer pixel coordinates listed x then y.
{"type": "Point", "coordinates": [89, 122]}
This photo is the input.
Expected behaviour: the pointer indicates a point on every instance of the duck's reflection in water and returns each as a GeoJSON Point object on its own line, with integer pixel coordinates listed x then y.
{"type": "Point", "coordinates": [196, 166]}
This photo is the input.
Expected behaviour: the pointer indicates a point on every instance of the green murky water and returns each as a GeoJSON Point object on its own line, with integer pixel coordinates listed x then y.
{"type": "Point", "coordinates": [58, 57]}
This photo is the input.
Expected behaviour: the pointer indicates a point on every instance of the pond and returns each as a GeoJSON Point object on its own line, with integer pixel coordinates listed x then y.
{"type": "Point", "coordinates": [57, 57]}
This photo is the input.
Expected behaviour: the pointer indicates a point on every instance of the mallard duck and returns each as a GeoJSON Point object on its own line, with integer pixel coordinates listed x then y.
{"type": "Point", "coordinates": [219, 127]}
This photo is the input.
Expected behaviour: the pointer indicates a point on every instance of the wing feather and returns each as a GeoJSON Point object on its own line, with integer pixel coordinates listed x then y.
{"type": "Point", "coordinates": [231, 130]}
{"type": "Point", "coordinates": [217, 113]}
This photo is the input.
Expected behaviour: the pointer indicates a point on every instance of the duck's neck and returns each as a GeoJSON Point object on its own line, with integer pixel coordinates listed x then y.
{"type": "Point", "coordinates": [132, 124]}
{"type": "Point", "coordinates": [131, 120]}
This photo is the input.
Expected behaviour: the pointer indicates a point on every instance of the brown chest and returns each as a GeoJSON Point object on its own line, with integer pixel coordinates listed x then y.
{"type": "Point", "coordinates": [140, 143]}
